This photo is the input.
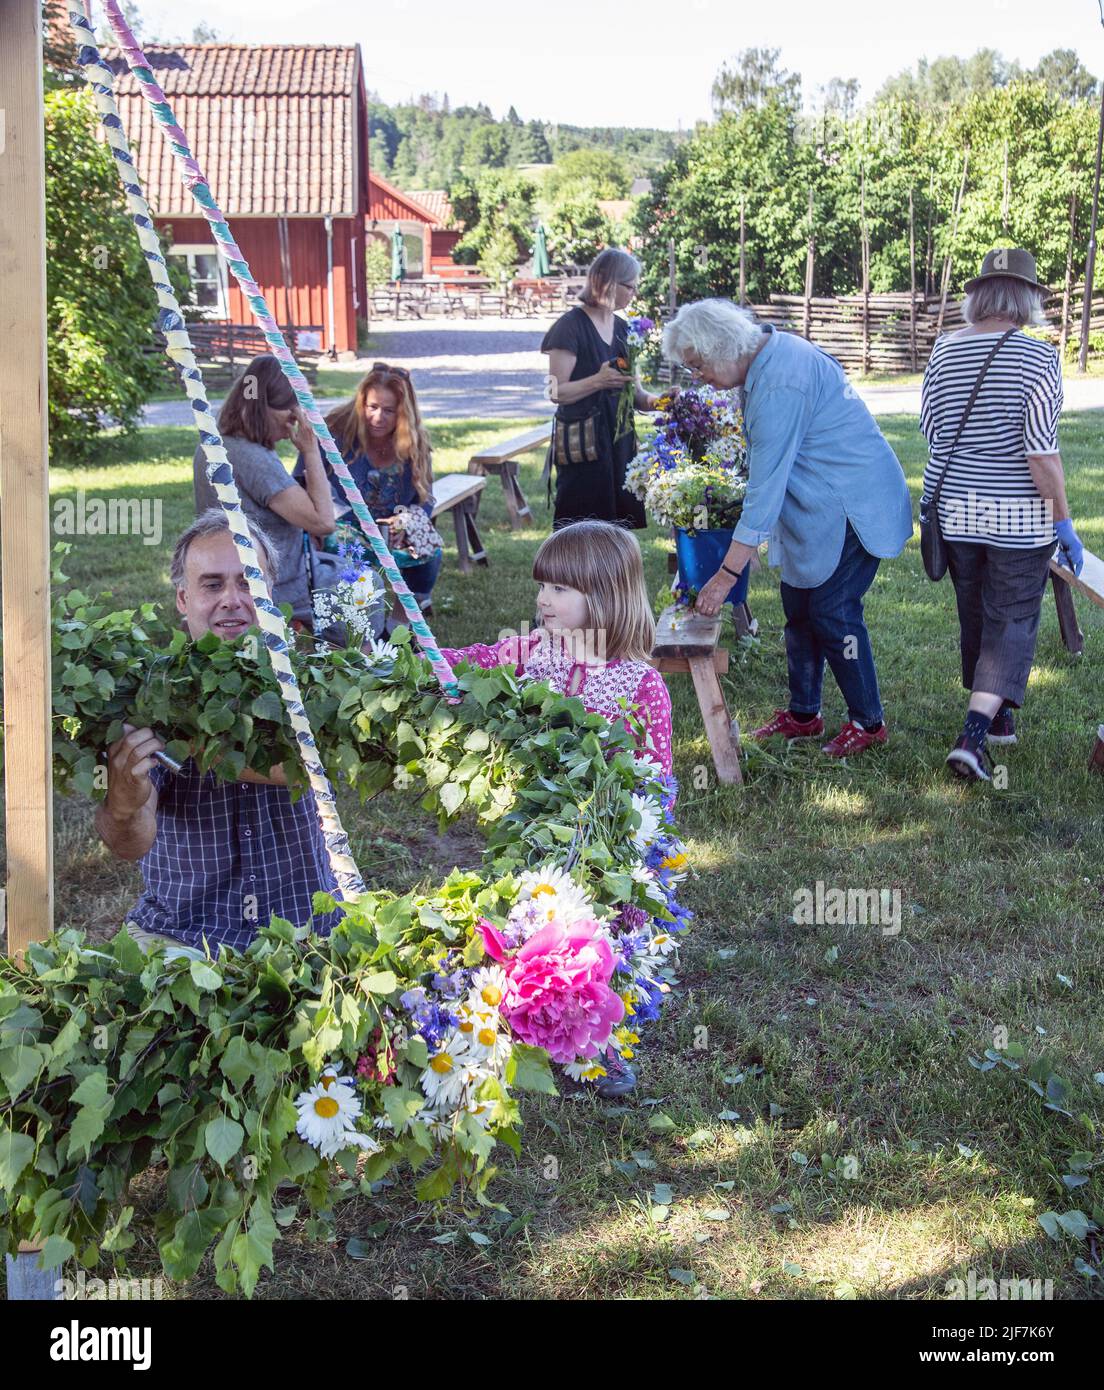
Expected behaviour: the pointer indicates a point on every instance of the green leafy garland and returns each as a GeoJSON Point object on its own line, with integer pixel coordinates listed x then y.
{"type": "Point", "coordinates": [111, 1059]}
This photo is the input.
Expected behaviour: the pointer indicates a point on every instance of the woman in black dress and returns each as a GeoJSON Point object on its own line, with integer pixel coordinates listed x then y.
{"type": "Point", "coordinates": [583, 347]}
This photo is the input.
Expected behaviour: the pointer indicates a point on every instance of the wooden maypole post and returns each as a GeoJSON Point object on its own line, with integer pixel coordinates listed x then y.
{"type": "Point", "coordinates": [24, 518]}
{"type": "Point", "coordinates": [24, 484]}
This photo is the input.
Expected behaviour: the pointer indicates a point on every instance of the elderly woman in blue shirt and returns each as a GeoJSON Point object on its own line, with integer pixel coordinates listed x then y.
{"type": "Point", "coordinates": [824, 488]}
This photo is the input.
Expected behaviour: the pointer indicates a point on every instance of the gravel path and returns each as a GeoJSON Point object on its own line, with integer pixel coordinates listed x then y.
{"type": "Point", "coordinates": [493, 368]}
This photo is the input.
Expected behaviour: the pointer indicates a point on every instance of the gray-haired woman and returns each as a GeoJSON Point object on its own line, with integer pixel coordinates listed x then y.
{"type": "Point", "coordinates": [825, 489]}
{"type": "Point", "coordinates": [584, 347]}
{"type": "Point", "coordinates": [1002, 495]}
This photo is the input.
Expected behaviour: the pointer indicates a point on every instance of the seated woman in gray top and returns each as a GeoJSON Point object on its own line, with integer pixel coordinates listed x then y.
{"type": "Point", "coordinates": [260, 410]}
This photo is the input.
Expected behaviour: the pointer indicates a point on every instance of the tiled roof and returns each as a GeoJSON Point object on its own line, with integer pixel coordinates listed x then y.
{"type": "Point", "coordinates": [435, 200]}
{"type": "Point", "coordinates": [273, 126]}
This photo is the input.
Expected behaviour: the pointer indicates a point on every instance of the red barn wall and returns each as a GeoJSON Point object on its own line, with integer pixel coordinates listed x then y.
{"type": "Point", "coordinates": [259, 240]}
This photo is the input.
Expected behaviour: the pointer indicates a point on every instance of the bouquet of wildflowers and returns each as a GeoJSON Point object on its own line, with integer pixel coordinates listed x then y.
{"type": "Point", "coordinates": [643, 340]}
{"type": "Point", "coordinates": [692, 473]}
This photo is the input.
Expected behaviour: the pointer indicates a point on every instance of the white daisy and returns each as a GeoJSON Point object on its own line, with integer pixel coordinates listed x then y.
{"type": "Point", "coordinates": [440, 1126]}
{"type": "Point", "coordinates": [327, 1114]}
{"type": "Point", "coordinates": [376, 650]}
{"type": "Point", "coordinates": [488, 985]}
{"type": "Point", "coordinates": [444, 1079]}
{"type": "Point", "coordinates": [558, 894]}
{"type": "Point", "coordinates": [662, 944]}
{"type": "Point", "coordinates": [589, 1070]}
{"type": "Point", "coordinates": [651, 818]}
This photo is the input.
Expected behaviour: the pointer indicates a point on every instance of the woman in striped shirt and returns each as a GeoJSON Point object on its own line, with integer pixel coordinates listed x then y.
{"type": "Point", "coordinates": [1003, 498]}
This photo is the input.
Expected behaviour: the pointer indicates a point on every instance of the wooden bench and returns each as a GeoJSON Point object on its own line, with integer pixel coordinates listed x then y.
{"type": "Point", "coordinates": [458, 493]}
{"type": "Point", "coordinates": [501, 459]}
{"type": "Point", "coordinates": [223, 350]}
{"type": "Point", "coordinates": [686, 641]}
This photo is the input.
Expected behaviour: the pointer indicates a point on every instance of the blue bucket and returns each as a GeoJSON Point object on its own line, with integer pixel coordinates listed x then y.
{"type": "Point", "coordinates": [700, 556]}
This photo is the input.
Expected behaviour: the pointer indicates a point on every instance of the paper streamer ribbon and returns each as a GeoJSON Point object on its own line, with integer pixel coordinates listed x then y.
{"type": "Point", "coordinates": [193, 179]}
{"type": "Point", "coordinates": [171, 323]}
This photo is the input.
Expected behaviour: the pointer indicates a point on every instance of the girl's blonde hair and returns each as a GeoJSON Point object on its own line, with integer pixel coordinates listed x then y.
{"type": "Point", "coordinates": [603, 562]}
{"type": "Point", "coordinates": [349, 426]}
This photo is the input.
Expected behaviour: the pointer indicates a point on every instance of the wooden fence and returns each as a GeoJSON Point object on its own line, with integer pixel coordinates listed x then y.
{"type": "Point", "coordinates": [896, 332]}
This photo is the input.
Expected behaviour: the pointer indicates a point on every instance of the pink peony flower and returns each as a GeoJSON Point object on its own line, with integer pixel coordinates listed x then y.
{"type": "Point", "coordinates": [558, 995]}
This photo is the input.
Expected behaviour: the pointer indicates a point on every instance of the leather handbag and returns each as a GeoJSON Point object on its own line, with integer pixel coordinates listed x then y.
{"type": "Point", "coordinates": [933, 546]}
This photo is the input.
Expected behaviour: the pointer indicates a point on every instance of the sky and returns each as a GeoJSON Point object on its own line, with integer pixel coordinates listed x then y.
{"type": "Point", "coordinates": [634, 62]}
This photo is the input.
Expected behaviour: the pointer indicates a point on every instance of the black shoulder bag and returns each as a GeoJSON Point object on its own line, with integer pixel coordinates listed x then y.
{"type": "Point", "coordinates": [933, 548]}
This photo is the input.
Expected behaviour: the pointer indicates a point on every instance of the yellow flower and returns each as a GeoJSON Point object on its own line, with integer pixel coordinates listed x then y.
{"type": "Point", "coordinates": [674, 861]}
{"type": "Point", "coordinates": [441, 1064]}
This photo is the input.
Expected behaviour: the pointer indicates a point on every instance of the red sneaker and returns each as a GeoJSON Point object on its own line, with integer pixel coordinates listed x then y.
{"type": "Point", "coordinates": [784, 723]}
{"type": "Point", "coordinates": [851, 739]}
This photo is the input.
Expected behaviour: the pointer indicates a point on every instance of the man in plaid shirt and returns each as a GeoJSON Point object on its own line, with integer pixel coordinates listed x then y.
{"type": "Point", "coordinates": [218, 858]}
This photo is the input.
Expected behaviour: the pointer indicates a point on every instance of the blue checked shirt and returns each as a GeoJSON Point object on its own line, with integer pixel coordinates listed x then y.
{"type": "Point", "coordinates": [816, 461]}
{"type": "Point", "coordinates": [227, 856]}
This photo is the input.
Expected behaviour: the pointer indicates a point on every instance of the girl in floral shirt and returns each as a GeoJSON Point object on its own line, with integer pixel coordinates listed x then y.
{"type": "Point", "coordinates": [596, 633]}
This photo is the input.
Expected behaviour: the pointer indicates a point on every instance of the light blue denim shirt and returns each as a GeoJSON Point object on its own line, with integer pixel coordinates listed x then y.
{"type": "Point", "coordinates": [816, 460]}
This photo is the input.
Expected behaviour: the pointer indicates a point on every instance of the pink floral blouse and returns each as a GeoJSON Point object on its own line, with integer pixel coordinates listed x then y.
{"type": "Point", "coordinates": [601, 688]}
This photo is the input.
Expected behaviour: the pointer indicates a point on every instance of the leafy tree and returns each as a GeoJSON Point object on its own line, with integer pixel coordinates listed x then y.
{"type": "Point", "coordinates": [1065, 76]}
{"type": "Point", "coordinates": [753, 79]}
{"type": "Point", "coordinates": [487, 147]}
{"type": "Point", "coordinates": [100, 305]}
{"type": "Point", "coordinates": [578, 228]}
{"type": "Point", "coordinates": [950, 80]}
{"type": "Point", "coordinates": [495, 207]}
{"type": "Point", "coordinates": [601, 172]}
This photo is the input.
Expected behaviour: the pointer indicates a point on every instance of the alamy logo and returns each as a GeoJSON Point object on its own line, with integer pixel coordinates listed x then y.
{"type": "Point", "coordinates": [848, 907]}
{"type": "Point", "coordinates": [77, 1343]}
{"type": "Point", "coordinates": [110, 516]}
{"type": "Point", "coordinates": [1013, 1290]}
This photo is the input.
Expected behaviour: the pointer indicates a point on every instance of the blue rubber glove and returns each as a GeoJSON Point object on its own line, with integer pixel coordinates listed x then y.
{"type": "Point", "coordinates": [1071, 552]}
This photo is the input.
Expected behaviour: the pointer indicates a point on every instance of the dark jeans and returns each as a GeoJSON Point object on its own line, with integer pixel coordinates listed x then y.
{"type": "Point", "coordinates": [827, 624]}
{"type": "Point", "coordinates": [1000, 594]}
{"type": "Point", "coordinates": [420, 579]}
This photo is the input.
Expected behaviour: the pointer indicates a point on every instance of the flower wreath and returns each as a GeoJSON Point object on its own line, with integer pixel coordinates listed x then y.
{"type": "Point", "coordinates": [398, 1041]}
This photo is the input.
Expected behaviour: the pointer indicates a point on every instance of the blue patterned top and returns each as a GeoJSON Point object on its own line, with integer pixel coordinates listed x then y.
{"type": "Point", "coordinates": [383, 489]}
{"type": "Point", "coordinates": [227, 856]}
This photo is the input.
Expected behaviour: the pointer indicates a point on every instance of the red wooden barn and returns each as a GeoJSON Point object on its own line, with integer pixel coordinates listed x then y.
{"type": "Point", "coordinates": [281, 131]}
{"type": "Point", "coordinates": [421, 218]}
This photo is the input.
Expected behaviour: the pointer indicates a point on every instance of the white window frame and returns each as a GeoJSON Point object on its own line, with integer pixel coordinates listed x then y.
{"type": "Point", "coordinates": [189, 249]}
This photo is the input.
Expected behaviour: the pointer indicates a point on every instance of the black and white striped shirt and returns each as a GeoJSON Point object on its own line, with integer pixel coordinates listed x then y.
{"type": "Point", "coordinates": [988, 495]}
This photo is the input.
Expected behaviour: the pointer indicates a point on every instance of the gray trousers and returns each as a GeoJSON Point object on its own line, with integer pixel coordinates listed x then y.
{"type": "Point", "coordinates": [1000, 595]}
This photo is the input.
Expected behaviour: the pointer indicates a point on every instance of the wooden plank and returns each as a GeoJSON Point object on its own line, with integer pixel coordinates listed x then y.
{"type": "Point", "coordinates": [518, 444]}
{"type": "Point", "coordinates": [719, 728]}
{"type": "Point", "coordinates": [449, 489]}
{"type": "Point", "coordinates": [675, 665]}
{"type": "Point", "coordinates": [682, 632]}
{"type": "Point", "coordinates": [1072, 635]}
{"type": "Point", "coordinates": [1089, 582]}
{"type": "Point", "coordinates": [24, 528]}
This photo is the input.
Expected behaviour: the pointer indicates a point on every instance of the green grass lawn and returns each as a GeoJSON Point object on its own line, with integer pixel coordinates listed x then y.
{"type": "Point", "coordinates": [828, 1040]}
